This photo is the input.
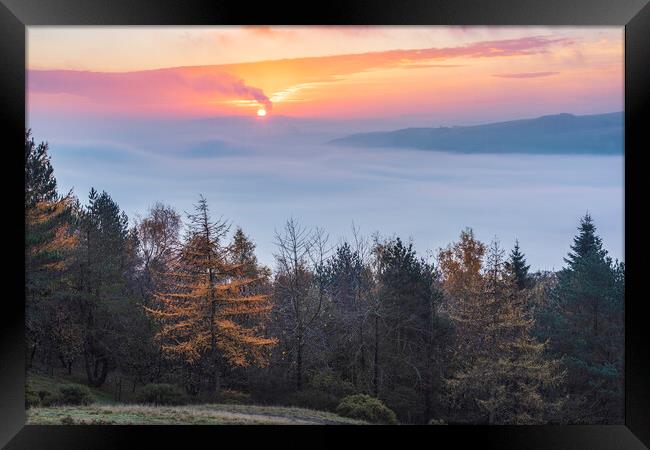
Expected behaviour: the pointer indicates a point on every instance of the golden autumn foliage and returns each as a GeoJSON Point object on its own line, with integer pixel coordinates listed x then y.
{"type": "Point", "coordinates": [203, 302]}
{"type": "Point", "coordinates": [49, 235]}
{"type": "Point", "coordinates": [502, 373]}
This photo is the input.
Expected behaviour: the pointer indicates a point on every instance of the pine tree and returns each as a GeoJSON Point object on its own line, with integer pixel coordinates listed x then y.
{"type": "Point", "coordinates": [50, 244]}
{"type": "Point", "coordinates": [413, 333]}
{"type": "Point", "coordinates": [40, 183]}
{"type": "Point", "coordinates": [518, 267]}
{"type": "Point", "coordinates": [348, 281]}
{"type": "Point", "coordinates": [243, 254]}
{"type": "Point", "coordinates": [202, 302]}
{"type": "Point", "coordinates": [585, 324]}
{"type": "Point", "coordinates": [103, 268]}
{"type": "Point", "coordinates": [49, 248]}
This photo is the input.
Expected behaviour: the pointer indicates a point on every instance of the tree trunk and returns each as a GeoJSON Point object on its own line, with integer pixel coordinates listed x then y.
{"type": "Point", "coordinates": [299, 363]}
{"type": "Point", "coordinates": [96, 369]}
{"type": "Point", "coordinates": [375, 382]}
{"type": "Point", "coordinates": [31, 356]}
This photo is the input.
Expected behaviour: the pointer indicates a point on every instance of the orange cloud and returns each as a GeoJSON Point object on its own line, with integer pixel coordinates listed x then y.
{"type": "Point", "coordinates": [525, 74]}
{"type": "Point", "coordinates": [226, 89]}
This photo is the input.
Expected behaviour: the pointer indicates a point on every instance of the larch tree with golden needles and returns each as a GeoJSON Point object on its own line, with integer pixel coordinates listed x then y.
{"type": "Point", "coordinates": [202, 302]}
{"type": "Point", "coordinates": [501, 373]}
{"type": "Point", "coordinates": [49, 245]}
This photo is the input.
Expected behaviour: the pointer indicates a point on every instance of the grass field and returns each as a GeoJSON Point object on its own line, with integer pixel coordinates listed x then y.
{"type": "Point", "coordinates": [104, 414]}
{"type": "Point", "coordinates": [105, 409]}
{"type": "Point", "coordinates": [47, 383]}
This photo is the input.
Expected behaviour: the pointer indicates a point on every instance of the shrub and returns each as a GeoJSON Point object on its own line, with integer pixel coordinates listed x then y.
{"type": "Point", "coordinates": [365, 407]}
{"type": "Point", "coordinates": [406, 403]}
{"type": "Point", "coordinates": [328, 381]}
{"type": "Point", "coordinates": [74, 394]}
{"type": "Point", "coordinates": [49, 398]}
{"type": "Point", "coordinates": [31, 397]}
{"type": "Point", "coordinates": [270, 390]}
{"type": "Point", "coordinates": [313, 399]}
{"type": "Point", "coordinates": [102, 422]}
{"type": "Point", "coordinates": [232, 397]}
{"type": "Point", "coordinates": [67, 420]}
{"type": "Point", "coordinates": [437, 422]}
{"type": "Point", "coordinates": [162, 394]}
{"type": "Point", "coordinates": [324, 391]}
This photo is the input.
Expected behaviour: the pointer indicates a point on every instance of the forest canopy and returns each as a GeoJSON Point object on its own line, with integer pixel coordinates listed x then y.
{"type": "Point", "coordinates": [469, 335]}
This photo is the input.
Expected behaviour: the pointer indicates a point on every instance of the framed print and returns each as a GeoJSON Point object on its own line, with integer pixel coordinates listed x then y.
{"type": "Point", "coordinates": [349, 221]}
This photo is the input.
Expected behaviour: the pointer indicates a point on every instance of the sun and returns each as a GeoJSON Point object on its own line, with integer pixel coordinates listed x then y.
{"type": "Point", "coordinates": [261, 112]}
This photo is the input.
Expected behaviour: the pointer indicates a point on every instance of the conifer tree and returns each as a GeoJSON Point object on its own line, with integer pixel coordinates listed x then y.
{"type": "Point", "coordinates": [50, 244]}
{"type": "Point", "coordinates": [49, 249]}
{"type": "Point", "coordinates": [348, 281]}
{"type": "Point", "coordinates": [40, 183]}
{"type": "Point", "coordinates": [517, 266]}
{"type": "Point", "coordinates": [201, 302]}
{"type": "Point", "coordinates": [103, 268]}
{"type": "Point", "coordinates": [585, 324]}
{"type": "Point", "coordinates": [413, 332]}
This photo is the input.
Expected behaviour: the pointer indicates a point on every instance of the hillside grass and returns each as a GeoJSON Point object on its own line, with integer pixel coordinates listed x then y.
{"type": "Point", "coordinates": [107, 410]}
{"type": "Point", "coordinates": [47, 383]}
{"type": "Point", "coordinates": [217, 414]}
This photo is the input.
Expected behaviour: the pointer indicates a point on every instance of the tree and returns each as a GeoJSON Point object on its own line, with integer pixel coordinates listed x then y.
{"type": "Point", "coordinates": [102, 270]}
{"type": "Point", "coordinates": [348, 285]}
{"type": "Point", "coordinates": [501, 372]}
{"type": "Point", "coordinates": [300, 285]}
{"type": "Point", "coordinates": [40, 183]}
{"type": "Point", "coordinates": [158, 239]}
{"type": "Point", "coordinates": [49, 249]}
{"type": "Point", "coordinates": [517, 266]}
{"type": "Point", "coordinates": [584, 320]}
{"type": "Point", "coordinates": [413, 333]}
{"type": "Point", "coordinates": [202, 303]}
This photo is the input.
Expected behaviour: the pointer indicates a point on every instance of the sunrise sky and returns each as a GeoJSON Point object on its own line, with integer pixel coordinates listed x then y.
{"type": "Point", "coordinates": [459, 73]}
{"type": "Point", "coordinates": [242, 115]}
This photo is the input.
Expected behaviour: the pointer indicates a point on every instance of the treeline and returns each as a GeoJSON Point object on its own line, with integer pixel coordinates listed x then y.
{"type": "Point", "coordinates": [473, 337]}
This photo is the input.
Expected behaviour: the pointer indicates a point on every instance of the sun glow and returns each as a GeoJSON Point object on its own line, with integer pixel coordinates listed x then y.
{"type": "Point", "coordinates": [261, 112]}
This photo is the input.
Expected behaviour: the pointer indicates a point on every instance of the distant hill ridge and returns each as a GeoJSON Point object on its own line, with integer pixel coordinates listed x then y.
{"type": "Point", "coordinates": [553, 134]}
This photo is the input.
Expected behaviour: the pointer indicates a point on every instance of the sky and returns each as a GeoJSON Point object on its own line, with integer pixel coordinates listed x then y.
{"type": "Point", "coordinates": [241, 114]}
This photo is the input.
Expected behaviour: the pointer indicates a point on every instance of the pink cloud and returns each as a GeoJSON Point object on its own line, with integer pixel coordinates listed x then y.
{"type": "Point", "coordinates": [155, 87]}
{"type": "Point", "coordinates": [206, 89]}
{"type": "Point", "coordinates": [525, 74]}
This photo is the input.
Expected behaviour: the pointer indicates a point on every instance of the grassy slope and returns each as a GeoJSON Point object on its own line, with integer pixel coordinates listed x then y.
{"type": "Point", "coordinates": [43, 383]}
{"type": "Point", "coordinates": [184, 415]}
{"type": "Point", "coordinates": [105, 410]}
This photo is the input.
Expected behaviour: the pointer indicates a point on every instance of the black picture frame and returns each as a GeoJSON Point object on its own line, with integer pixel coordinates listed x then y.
{"type": "Point", "coordinates": [634, 15]}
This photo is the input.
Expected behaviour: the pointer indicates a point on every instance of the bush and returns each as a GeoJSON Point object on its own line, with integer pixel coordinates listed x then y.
{"type": "Point", "coordinates": [74, 394]}
{"type": "Point", "coordinates": [313, 399]}
{"type": "Point", "coordinates": [437, 422]}
{"type": "Point", "coordinates": [232, 397]}
{"type": "Point", "coordinates": [49, 398]}
{"type": "Point", "coordinates": [31, 397]}
{"type": "Point", "coordinates": [67, 420]}
{"type": "Point", "coordinates": [365, 407]}
{"type": "Point", "coordinates": [324, 391]}
{"type": "Point", "coordinates": [162, 394]}
{"type": "Point", "coordinates": [406, 403]}
{"type": "Point", "coordinates": [328, 381]}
